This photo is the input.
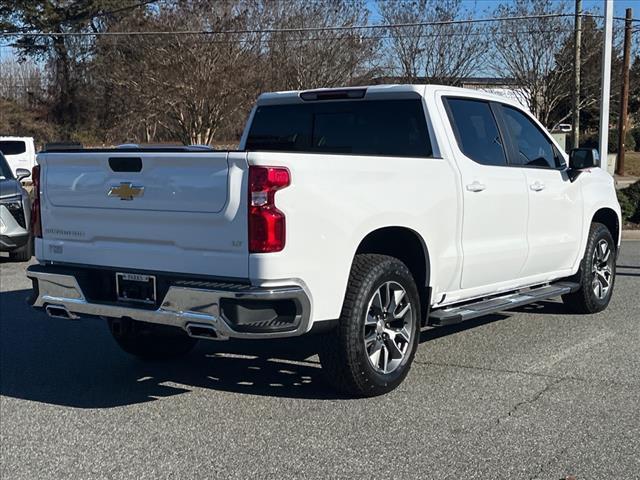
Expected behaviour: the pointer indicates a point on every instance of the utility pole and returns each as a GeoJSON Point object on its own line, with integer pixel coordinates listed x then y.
{"type": "Point", "coordinates": [577, 39]}
{"type": "Point", "coordinates": [624, 96]}
{"type": "Point", "coordinates": [605, 91]}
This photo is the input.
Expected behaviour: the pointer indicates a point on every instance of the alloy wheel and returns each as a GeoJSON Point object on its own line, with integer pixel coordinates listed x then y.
{"type": "Point", "coordinates": [602, 269]}
{"type": "Point", "coordinates": [388, 327]}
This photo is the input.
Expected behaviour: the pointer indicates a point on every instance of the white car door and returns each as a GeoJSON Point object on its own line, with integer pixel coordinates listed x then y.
{"type": "Point", "coordinates": [555, 203]}
{"type": "Point", "coordinates": [494, 226]}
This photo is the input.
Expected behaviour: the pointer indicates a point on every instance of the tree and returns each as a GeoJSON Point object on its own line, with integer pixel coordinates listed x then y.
{"type": "Point", "coordinates": [22, 83]}
{"type": "Point", "coordinates": [590, 78]}
{"type": "Point", "coordinates": [195, 88]}
{"type": "Point", "coordinates": [527, 51]}
{"type": "Point", "coordinates": [186, 86]}
{"type": "Point", "coordinates": [15, 119]}
{"type": "Point", "coordinates": [66, 57]}
{"type": "Point", "coordinates": [442, 53]}
{"type": "Point", "coordinates": [324, 58]}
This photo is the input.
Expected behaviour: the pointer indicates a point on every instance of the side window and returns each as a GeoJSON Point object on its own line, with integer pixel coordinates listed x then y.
{"type": "Point", "coordinates": [534, 148]}
{"type": "Point", "coordinates": [281, 127]}
{"type": "Point", "coordinates": [12, 147]}
{"type": "Point", "coordinates": [476, 131]}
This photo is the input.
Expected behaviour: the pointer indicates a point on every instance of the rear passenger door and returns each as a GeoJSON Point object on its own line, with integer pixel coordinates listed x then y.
{"type": "Point", "coordinates": [494, 226]}
{"type": "Point", "coordinates": [555, 203]}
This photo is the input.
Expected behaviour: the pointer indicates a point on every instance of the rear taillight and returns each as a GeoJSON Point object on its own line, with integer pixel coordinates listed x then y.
{"type": "Point", "coordinates": [36, 223]}
{"type": "Point", "coordinates": [267, 230]}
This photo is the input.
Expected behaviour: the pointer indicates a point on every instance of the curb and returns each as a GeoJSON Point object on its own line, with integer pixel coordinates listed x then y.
{"type": "Point", "coordinates": [630, 234]}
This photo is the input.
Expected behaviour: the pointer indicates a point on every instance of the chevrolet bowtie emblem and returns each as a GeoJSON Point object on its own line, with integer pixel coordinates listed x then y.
{"type": "Point", "coordinates": [126, 191]}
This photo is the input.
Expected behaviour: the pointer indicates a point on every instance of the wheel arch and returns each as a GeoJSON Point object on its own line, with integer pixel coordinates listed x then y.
{"type": "Point", "coordinates": [408, 246]}
{"type": "Point", "coordinates": [610, 219]}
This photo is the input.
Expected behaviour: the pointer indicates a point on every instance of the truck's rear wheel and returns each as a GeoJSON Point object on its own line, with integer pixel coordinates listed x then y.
{"type": "Point", "coordinates": [597, 273]}
{"type": "Point", "coordinates": [149, 341]}
{"type": "Point", "coordinates": [371, 350]}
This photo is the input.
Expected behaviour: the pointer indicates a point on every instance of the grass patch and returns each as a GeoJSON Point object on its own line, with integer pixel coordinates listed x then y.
{"type": "Point", "coordinates": [632, 164]}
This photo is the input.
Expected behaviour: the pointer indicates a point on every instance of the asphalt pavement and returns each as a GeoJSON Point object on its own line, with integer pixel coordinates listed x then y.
{"type": "Point", "coordinates": [534, 393]}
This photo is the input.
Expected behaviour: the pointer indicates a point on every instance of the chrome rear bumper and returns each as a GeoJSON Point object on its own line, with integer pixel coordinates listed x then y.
{"type": "Point", "coordinates": [192, 309]}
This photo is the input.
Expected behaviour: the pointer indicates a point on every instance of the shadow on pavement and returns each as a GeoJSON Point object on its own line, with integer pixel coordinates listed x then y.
{"type": "Point", "coordinates": [544, 307]}
{"type": "Point", "coordinates": [433, 333]}
{"type": "Point", "coordinates": [76, 363]}
{"type": "Point", "coordinates": [628, 274]}
{"type": "Point", "coordinates": [627, 267]}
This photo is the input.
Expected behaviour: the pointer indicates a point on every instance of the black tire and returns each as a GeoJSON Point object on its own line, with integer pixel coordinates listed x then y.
{"type": "Point", "coordinates": [150, 342]}
{"type": "Point", "coordinates": [24, 253]}
{"type": "Point", "coordinates": [344, 357]}
{"type": "Point", "coordinates": [586, 300]}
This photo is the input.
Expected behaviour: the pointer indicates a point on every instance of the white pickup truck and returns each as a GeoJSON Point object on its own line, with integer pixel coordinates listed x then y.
{"type": "Point", "coordinates": [363, 214]}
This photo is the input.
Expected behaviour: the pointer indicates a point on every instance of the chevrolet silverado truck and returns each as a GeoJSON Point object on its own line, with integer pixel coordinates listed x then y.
{"type": "Point", "coordinates": [362, 215]}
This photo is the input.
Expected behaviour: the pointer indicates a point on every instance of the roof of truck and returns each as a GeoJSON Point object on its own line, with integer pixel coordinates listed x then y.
{"type": "Point", "coordinates": [379, 91]}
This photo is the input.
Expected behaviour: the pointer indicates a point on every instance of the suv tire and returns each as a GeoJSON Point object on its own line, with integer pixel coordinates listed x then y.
{"type": "Point", "coordinates": [597, 273]}
{"type": "Point", "coordinates": [150, 342]}
{"type": "Point", "coordinates": [371, 350]}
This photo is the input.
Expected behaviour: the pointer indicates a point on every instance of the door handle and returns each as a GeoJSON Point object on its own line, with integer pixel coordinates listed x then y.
{"type": "Point", "coordinates": [537, 186]}
{"type": "Point", "coordinates": [476, 186]}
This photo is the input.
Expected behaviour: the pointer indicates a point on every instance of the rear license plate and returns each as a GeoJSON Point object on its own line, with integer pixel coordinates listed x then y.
{"type": "Point", "coordinates": [133, 287]}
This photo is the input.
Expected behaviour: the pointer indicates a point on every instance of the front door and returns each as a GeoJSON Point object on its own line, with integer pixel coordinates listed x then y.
{"type": "Point", "coordinates": [555, 203]}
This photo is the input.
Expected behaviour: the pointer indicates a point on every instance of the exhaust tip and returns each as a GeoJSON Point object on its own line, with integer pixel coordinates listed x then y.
{"type": "Point", "coordinates": [59, 311]}
{"type": "Point", "coordinates": [201, 330]}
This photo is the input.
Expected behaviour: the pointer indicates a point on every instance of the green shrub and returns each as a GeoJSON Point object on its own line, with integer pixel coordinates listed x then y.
{"type": "Point", "coordinates": [635, 133]}
{"type": "Point", "coordinates": [591, 140]}
{"type": "Point", "coordinates": [629, 142]}
{"type": "Point", "coordinates": [629, 199]}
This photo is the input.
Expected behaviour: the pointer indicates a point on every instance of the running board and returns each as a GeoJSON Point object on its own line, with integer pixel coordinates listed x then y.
{"type": "Point", "coordinates": [456, 314]}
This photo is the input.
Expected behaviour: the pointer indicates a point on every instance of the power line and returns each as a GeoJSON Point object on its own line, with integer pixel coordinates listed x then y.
{"type": "Point", "coordinates": [290, 30]}
{"type": "Point", "coordinates": [332, 38]}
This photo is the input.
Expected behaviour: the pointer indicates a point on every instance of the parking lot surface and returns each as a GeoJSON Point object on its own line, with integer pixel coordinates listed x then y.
{"type": "Point", "coordinates": [534, 393]}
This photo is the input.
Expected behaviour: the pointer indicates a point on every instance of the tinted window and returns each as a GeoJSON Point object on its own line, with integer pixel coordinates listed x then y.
{"type": "Point", "coordinates": [5, 171]}
{"type": "Point", "coordinates": [12, 147]}
{"type": "Point", "coordinates": [476, 131]}
{"type": "Point", "coordinates": [359, 127]}
{"type": "Point", "coordinates": [534, 148]}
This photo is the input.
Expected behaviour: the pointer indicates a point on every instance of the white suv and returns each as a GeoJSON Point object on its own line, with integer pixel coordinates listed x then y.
{"type": "Point", "coordinates": [362, 213]}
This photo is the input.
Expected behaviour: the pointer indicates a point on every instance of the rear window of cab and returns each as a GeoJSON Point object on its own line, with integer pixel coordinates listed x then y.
{"type": "Point", "coordinates": [355, 127]}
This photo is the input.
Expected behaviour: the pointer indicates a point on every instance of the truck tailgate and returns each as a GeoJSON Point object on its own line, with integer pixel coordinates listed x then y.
{"type": "Point", "coordinates": [179, 212]}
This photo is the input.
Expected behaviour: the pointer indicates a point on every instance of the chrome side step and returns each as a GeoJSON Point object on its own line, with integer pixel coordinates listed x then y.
{"type": "Point", "coordinates": [459, 313]}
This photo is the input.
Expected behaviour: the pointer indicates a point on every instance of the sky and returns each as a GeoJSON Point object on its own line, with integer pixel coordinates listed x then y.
{"type": "Point", "coordinates": [481, 7]}
{"type": "Point", "coordinates": [619, 5]}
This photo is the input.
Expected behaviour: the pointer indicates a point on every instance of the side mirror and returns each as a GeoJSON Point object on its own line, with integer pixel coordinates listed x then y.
{"type": "Point", "coordinates": [22, 173]}
{"type": "Point", "coordinates": [581, 158]}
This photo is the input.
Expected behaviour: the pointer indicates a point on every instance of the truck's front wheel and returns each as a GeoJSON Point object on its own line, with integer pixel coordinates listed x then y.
{"type": "Point", "coordinates": [597, 273]}
{"type": "Point", "coordinates": [148, 341]}
{"type": "Point", "coordinates": [371, 350]}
